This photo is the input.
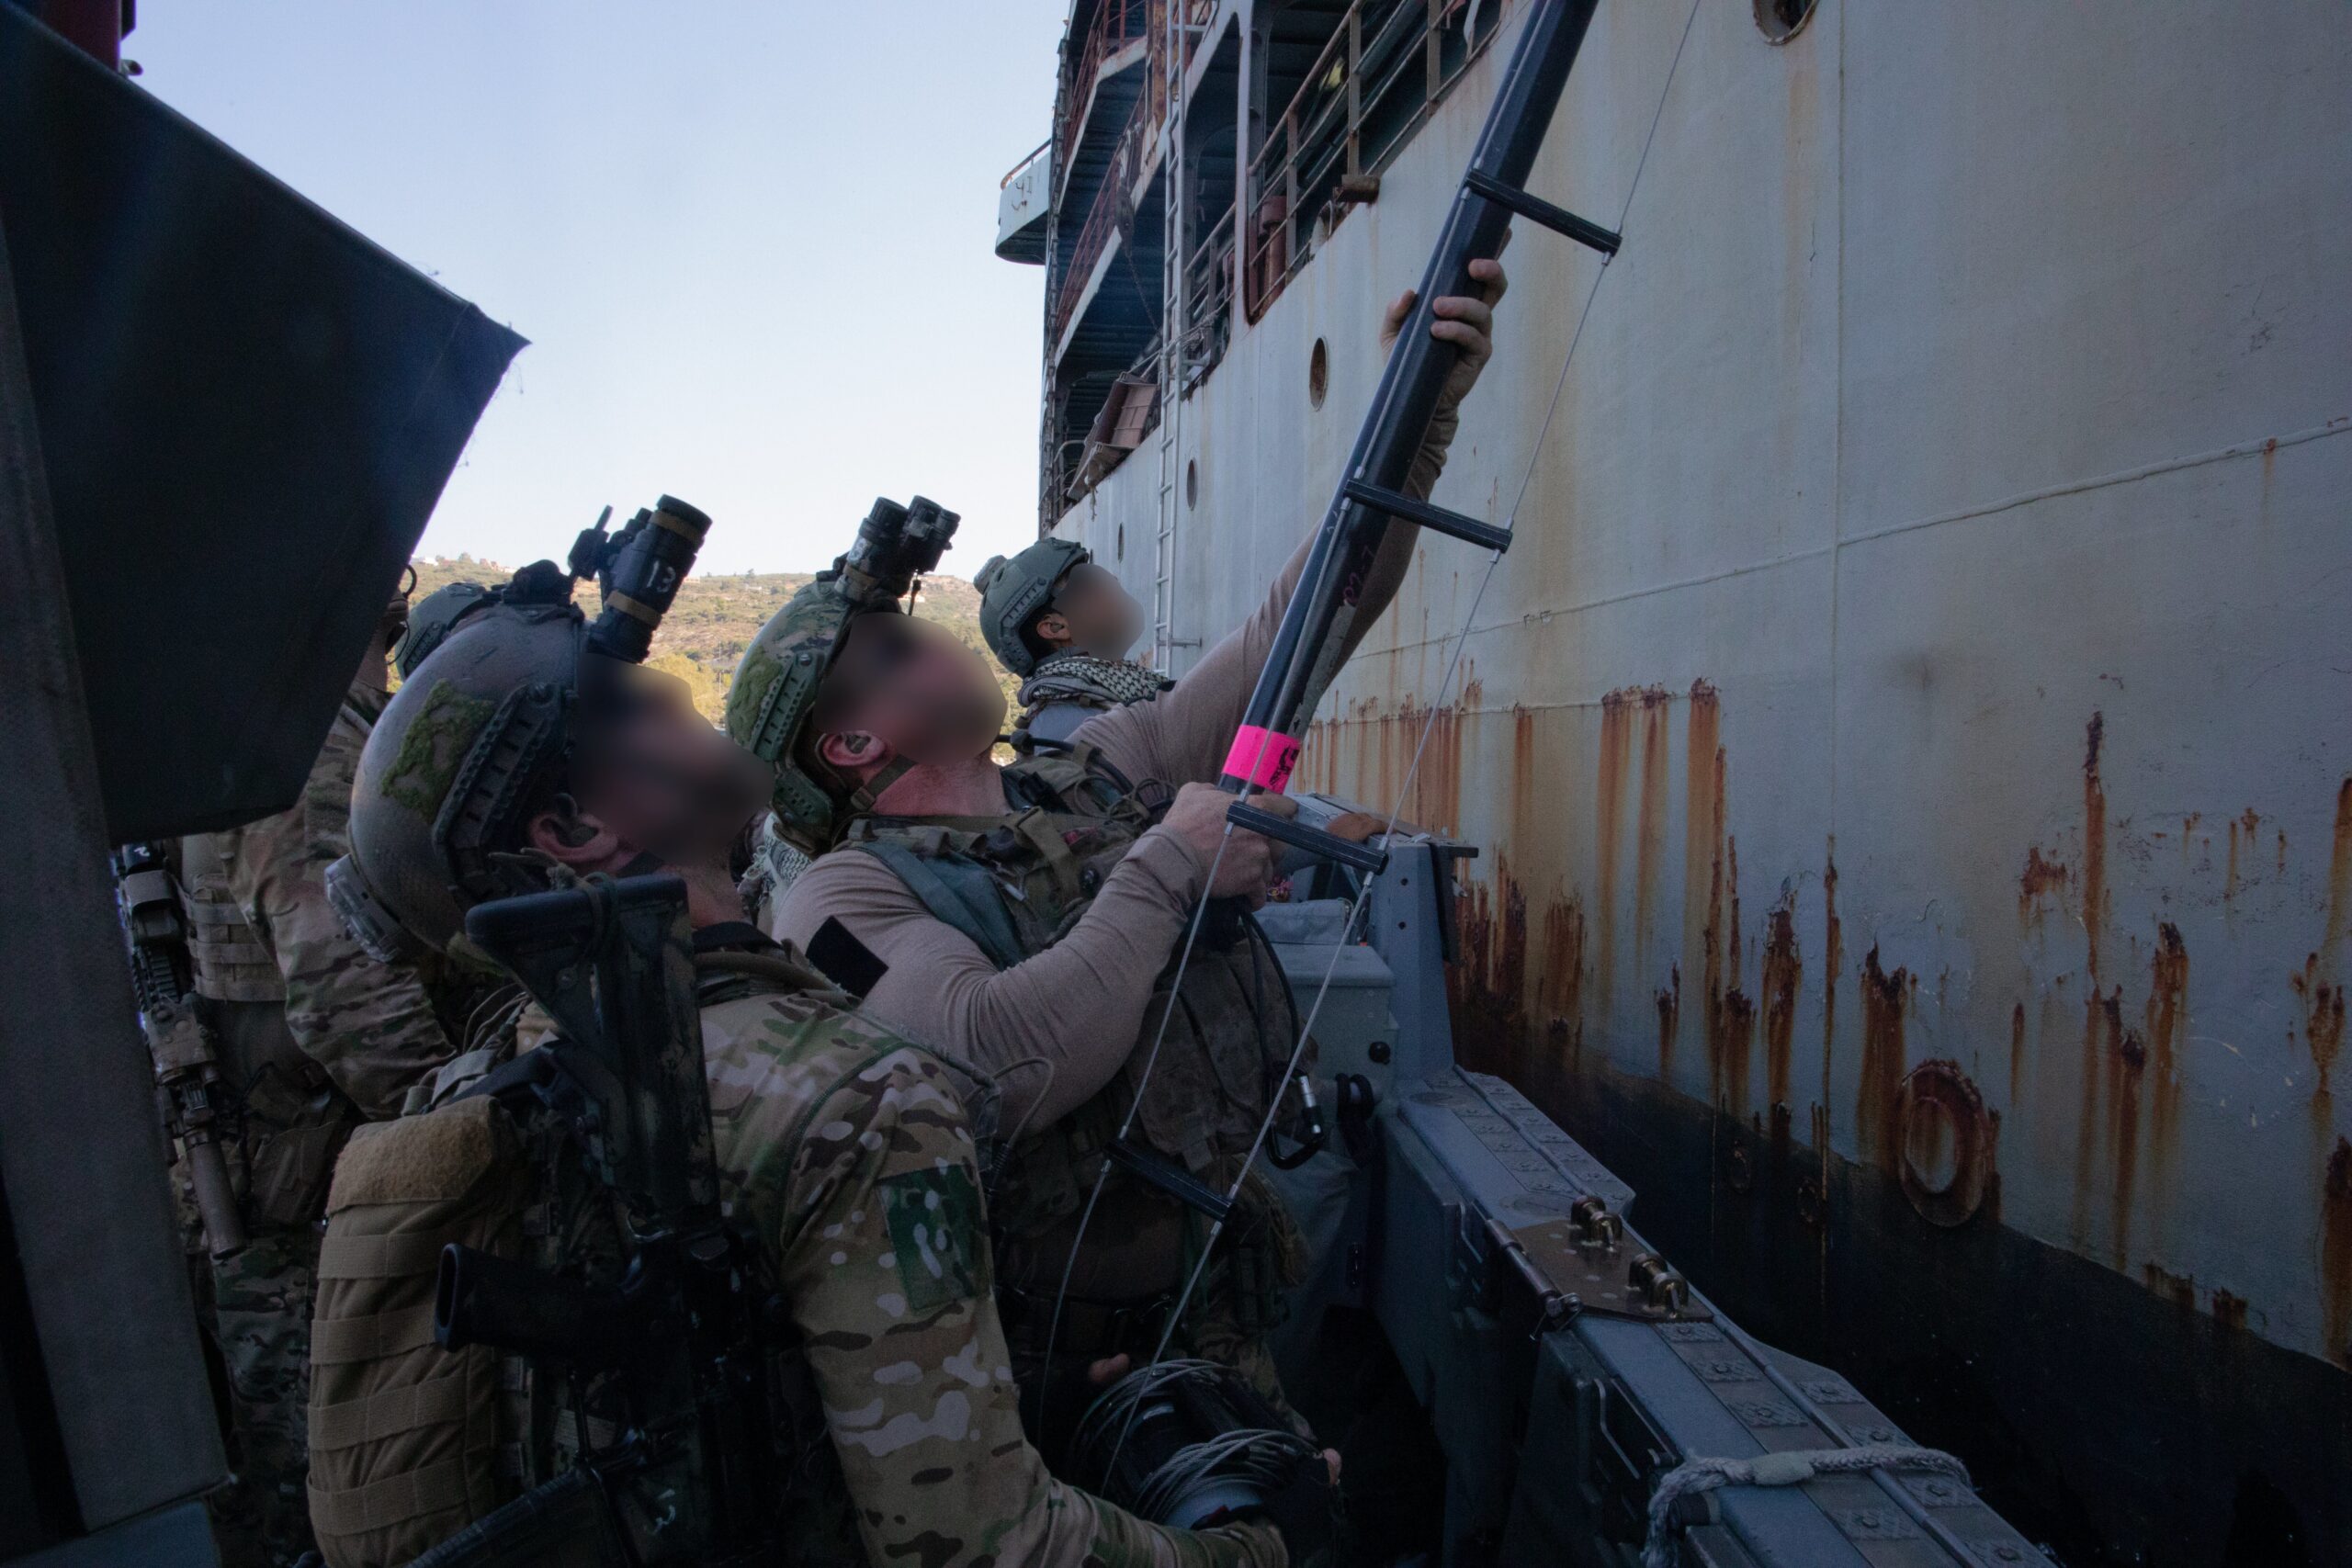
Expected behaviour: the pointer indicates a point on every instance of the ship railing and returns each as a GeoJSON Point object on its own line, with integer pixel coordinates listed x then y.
{"type": "Point", "coordinates": [1208, 298]}
{"type": "Point", "coordinates": [1387, 64]}
{"type": "Point", "coordinates": [1138, 144]}
{"type": "Point", "coordinates": [1115, 194]}
{"type": "Point", "coordinates": [1116, 25]}
{"type": "Point", "coordinates": [1028, 158]}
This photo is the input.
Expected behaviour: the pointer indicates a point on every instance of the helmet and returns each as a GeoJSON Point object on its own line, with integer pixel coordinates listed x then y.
{"type": "Point", "coordinates": [777, 681]}
{"type": "Point", "coordinates": [483, 726]}
{"type": "Point", "coordinates": [1014, 591]}
{"type": "Point", "coordinates": [477, 731]}
{"type": "Point", "coordinates": [432, 619]}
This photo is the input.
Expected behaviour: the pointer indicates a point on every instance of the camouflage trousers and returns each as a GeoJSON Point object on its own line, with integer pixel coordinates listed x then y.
{"type": "Point", "coordinates": [260, 1321]}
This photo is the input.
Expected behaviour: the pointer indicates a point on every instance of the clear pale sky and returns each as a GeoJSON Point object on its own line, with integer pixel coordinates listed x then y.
{"type": "Point", "coordinates": [751, 243]}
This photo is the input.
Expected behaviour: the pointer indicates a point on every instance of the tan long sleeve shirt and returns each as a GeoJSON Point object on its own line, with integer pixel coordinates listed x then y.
{"type": "Point", "coordinates": [1078, 1008]}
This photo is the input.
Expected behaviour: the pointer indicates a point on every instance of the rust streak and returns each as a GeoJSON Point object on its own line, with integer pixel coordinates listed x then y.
{"type": "Point", "coordinates": [2178, 1288]}
{"type": "Point", "coordinates": [1701, 831]}
{"type": "Point", "coordinates": [2094, 841]}
{"type": "Point", "coordinates": [1730, 1015]}
{"type": "Point", "coordinates": [1884, 999]}
{"type": "Point", "coordinates": [2017, 1055]}
{"type": "Point", "coordinates": [2335, 1256]}
{"type": "Point", "coordinates": [1608, 804]}
{"type": "Point", "coordinates": [1649, 837]}
{"type": "Point", "coordinates": [1488, 986]}
{"type": "Point", "coordinates": [2039, 876]}
{"type": "Point", "coordinates": [2165, 1026]}
{"type": "Point", "coordinates": [1782, 969]}
{"type": "Point", "coordinates": [1669, 1010]}
{"type": "Point", "coordinates": [2102, 1017]}
{"type": "Point", "coordinates": [1833, 963]}
{"type": "Point", "coordinates": [1559, 989]}
{"type": "Point", "coordinates": [2322, 1019]}
{"type": "Point", "coordinates": [2125, 1067]}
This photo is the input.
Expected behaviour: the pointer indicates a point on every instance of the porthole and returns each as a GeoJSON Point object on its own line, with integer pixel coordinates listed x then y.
{"type": "Point", "coordinates": [1781, 21]}
{"type": "Point", "coordinates": [1318, 374]}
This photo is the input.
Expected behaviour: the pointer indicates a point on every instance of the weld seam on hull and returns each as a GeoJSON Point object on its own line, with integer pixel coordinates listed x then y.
{"type": "Point", "coordinates": [2340, 426]}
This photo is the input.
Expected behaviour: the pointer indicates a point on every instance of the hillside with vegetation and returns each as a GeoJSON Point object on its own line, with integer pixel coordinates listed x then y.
{"type": "Point", "coordinates": [717, 616]}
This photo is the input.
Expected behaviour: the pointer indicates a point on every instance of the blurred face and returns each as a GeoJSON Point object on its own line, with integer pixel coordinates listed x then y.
{"type": "Point", "coordinates": [1093, 613]}
{"type": "Point", "coordinates": [905, 687]}
{"type": "Point", "coordinates": [656, 773]}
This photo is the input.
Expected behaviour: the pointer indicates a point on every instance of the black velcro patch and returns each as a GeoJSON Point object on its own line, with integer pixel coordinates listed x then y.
{"type": "Point", "coordinates": [845, 961]}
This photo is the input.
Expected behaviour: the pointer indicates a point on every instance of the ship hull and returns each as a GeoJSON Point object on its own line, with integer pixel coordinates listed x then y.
{"type": "Point", "coordinates": [1909, 739]}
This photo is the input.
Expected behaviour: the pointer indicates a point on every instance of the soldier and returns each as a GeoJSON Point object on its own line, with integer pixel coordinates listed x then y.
{"type": "Point", "coordinates": [1063, 625]}
{"type": "Point", "coordinates": [315, 1037]}
{"type": "Point", "coordinates": [1027, 918]}
{"type": "Point", "coordinates": [518, 757]}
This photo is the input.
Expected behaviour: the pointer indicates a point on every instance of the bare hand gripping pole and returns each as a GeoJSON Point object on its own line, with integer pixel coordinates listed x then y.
{"type": "Point", "coordinates": [1311, 642]}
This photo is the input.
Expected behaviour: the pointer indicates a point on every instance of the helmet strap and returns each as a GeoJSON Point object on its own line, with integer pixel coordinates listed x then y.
{"type": "Point", "coordinates": [862, 798]}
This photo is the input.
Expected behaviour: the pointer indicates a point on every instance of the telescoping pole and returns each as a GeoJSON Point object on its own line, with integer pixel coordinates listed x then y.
{"type": "Point", "coordinates": [1310, 642]}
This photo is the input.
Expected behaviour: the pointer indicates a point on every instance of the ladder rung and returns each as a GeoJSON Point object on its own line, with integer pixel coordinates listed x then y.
{"type": "Point", "coordinates": [1314, 841]}
{"type": "Point", "coordinates": [1406, 508]}
{"type": "Point", "coordinates": [1536, 209]}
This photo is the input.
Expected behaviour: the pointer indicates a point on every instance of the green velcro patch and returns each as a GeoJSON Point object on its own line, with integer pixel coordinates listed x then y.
{"type": "Point", "coordinates": [936, 1235]}
{"type": "Point", "coordinates": [437, 742]}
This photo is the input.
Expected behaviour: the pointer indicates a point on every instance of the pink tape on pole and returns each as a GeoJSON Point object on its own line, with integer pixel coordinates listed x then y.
{"type": "Point", "coordinates": [1264, 757]}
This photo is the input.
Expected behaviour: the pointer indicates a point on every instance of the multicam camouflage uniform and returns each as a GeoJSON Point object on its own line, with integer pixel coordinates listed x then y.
{"type": "Point", "coordinates": [315, 1037]}
{"type": "Point", "coordinates": [848, 1155]}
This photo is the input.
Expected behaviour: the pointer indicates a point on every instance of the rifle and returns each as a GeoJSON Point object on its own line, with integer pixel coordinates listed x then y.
{"type": "Point", "coordinates": [186, 1060]}
{"type": "Point", "coordinates": [679, 1338]}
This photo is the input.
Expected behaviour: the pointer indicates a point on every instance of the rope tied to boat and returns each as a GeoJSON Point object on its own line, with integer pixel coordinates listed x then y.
{"type": "Point", "coordinates": [1697, 1475]}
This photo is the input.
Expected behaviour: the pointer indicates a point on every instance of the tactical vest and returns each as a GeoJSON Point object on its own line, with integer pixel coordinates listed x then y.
{"type": "Point", "coordinates": [291, 1118]}
{"type": "Point", "coordinates": [411, 1443]}
{"type": "Point", "coordinates": [231, 962]}
{"type": "Point", "coordinates": [1015, 884]}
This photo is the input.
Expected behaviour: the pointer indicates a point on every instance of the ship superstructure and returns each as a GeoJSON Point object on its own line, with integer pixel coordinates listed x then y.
{"type": "Point", "coordinates": [1909, 736]}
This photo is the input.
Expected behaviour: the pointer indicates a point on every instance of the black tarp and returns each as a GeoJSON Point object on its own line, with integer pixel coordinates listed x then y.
{"type": "Point", "coordinates": [248, 411]}
{"type": "Point", "coordinates": [224, 418]}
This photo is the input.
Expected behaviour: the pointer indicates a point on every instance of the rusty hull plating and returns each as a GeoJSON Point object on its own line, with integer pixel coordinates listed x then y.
{"type": "Point", "coordinates": [1925, 640]}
